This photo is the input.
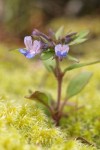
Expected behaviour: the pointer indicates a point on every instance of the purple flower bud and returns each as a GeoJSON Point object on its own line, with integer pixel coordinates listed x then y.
{"type": "Point", "coordinates": [32, 47]}
{"type": "Point", "coordinates": [51, 33]}
{"type": "Point", "coordinates": [46, 40]}
{"type": "Point", "coordinates": [44, 46]}
{"type": "Point", "coordinates": [61, 50]}
{"type": "Point", "coordinates": [69, 37]}
{"type": "Point", "coordinates": [36, 32]}
{"type": "Point", "coordinates": [39, 34]}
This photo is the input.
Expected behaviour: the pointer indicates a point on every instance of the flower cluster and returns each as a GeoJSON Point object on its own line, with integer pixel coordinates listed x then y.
{"type": "Point", "coordinates": [38, 42]}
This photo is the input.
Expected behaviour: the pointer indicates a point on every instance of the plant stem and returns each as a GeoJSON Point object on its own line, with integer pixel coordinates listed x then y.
{"type": "Point", "coordinates": [59, 82]}
{"type": "Point", "coordinates": [59, 77]}
{"type": "Point", "coordinates": [59, 92]}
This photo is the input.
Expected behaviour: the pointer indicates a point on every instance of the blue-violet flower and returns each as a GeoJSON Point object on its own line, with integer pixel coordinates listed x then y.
{"type": "Point", "coordinates": [61, 50]}
{"type": "Point", "coordinates": [32, 47]}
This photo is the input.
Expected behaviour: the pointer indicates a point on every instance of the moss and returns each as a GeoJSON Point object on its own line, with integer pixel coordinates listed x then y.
{"type": "Point", "coordinates": [71, 145]}
{"type": "Point", "coordinates": [23, 126]}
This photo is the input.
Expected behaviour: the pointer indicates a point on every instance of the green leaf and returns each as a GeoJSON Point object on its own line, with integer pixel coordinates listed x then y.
{"type": "Point", "coordinates": [47, 54]}
{"type": "Point", "coordinates": [14, 49]}
{"type": "Point", "coordinates": [40, 97]}
{"type": "Point", "coordinates": [80, 37]}
{"type": "Point", "coordinates": [78, 83]}
{"type": "Point", "coordinates": [44, 40]}
{"type": "Point", "coordinates": [77, 41]}
{"type": "Point", "coordinates": [72, 58]}
{"type": "Point", "coordinates": [82, 34]}
{"type": "Point", "coordinates": [75, 66]}
{"type": "Point", "coordinates": [49, 64]}
{"type": "Point", "coordinates": [59, 32]}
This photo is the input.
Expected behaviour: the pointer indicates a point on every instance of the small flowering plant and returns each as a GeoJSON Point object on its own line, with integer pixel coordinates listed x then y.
{"type": "Point", "coordinates": [57, 47]}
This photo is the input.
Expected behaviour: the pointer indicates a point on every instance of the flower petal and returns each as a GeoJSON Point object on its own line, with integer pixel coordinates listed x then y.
{"type": "Point", "coordinates": [23, 51]}
{"type": "Point", "coordinates": [61, 50]}
{"type": "Point", "coordinates": [30, 55]}
{"type": "Point", "coordinates": [60, 54]}
{"type": "Point", "coordinates": [28, 42]}
{"type": "Point", "coordinates": [58, 48]}
{"type": "Point", "coordinates": [65, 48]}
{"type": "Point", "coordinates": [36, 47]}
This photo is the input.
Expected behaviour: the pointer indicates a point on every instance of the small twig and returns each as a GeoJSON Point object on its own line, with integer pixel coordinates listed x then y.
{"type": "Point", "coordinates": [83, 140]}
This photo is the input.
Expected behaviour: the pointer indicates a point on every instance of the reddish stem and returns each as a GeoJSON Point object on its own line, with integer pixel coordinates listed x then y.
{"type": "Point", "coordinates": [59, 76]}
{"type": "Point", "coordinates": [59, 80]}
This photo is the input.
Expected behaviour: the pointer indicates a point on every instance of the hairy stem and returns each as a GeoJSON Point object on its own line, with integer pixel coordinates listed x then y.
{"type": "Point", "coordinates": [59, 92]}
{"type": "Point", "coordinates": [59, 82]}
{"type": "Point", "coordinates": [59, 77]}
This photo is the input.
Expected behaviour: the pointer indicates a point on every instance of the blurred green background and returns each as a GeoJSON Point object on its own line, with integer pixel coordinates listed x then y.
{"type": "Point", "coordinates": [19, 17]}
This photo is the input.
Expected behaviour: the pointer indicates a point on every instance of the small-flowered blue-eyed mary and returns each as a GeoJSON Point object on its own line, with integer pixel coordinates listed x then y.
{"type": "Point", "coordinates": [61, 50]}
{"type": "Point", "coordinates": [32, 47]}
